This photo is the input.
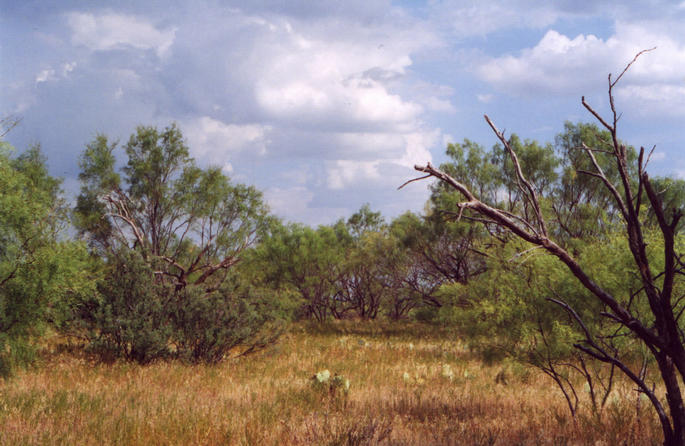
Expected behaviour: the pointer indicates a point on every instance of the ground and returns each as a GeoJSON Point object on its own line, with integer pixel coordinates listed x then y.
{"type": "Point", "coordinates": [408, 385]}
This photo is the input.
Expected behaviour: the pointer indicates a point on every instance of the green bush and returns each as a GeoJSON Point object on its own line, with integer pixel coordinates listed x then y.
{"type": "Point", "coordinates": [207, 327]}
{"type": "Point", "coordinates": [137, 317]}
{"type": "Point", "coordinates": [39, 268]}
{"type": "Point", "coordinates": [130, 319]}
{"type": "Point", "coordinates": [15, 352]}
{"type": "Point", "coordinates": [426, 313]}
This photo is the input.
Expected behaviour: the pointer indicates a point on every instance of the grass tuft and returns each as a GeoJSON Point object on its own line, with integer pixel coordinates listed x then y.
{"type": "Point", "coordinates": [410, 385]}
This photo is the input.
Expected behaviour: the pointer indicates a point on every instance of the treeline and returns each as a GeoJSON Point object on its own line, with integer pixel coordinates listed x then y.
{"type": "Point", "coordinates": [160, 258]}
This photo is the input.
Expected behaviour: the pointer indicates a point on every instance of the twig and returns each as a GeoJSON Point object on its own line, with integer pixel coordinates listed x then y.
{"type": "Point", "coordinates": [412, 180]}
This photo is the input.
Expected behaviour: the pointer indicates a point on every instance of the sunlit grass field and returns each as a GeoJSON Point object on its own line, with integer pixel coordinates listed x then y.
{"type": "Point", "coordinates": [409, 385]}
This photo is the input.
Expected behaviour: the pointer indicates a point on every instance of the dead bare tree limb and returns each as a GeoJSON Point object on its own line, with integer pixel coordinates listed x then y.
{"type": "Point", "coordinates": [658, 331]}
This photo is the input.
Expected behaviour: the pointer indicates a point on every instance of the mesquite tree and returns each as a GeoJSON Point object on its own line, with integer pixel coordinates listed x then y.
{"type": "Point", "coordinates": [170, 236]}
{"type": "Point", "coordinates": [193, 223]}
{"type": "Point", "coordinates": [637, 200]}
{"type": "Point", "coordinates": [40, 271]}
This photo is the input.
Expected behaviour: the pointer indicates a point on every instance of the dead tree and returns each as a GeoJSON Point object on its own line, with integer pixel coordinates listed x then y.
{"type": "Point", "coordinates": [659, 331]}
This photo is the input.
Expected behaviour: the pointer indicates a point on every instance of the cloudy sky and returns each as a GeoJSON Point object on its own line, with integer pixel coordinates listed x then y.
{"type": "Point", "coordinates": [327, 105]}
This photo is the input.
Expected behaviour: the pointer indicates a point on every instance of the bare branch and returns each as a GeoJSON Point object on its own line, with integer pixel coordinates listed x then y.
{"type": "Point", "coordinates": [630, 64]}
{"type": "Point", "coordinates": [609, 185]}
{"type": "Point", "coordinates": [529, 192]}
{"type": "Point", "coordinates": [596, 115]}
{"type": "Point", "coordinates": [649, 157]}
{"type": "Point", "coordinates": [7, 124]}
{"type": "Point", "coordinates": [412, 180]}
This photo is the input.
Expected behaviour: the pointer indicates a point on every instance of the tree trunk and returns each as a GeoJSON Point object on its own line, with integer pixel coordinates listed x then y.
{"type": "Point", "coordinates": [674, 435]}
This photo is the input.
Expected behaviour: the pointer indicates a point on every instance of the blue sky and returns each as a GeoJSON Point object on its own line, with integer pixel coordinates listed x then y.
{"type": "Point", "coordinates": [327, 105]}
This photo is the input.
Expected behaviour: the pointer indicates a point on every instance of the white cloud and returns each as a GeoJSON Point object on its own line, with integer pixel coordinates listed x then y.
{"type": "Point", "coordinates": [477, 18]}
{"type": "Point", "coordinates": [68, 68]}
{"type": "Point", "coordinates": [213, 141]}
{"type": "Point", "coordinates": [296, 204]}
{"type": "Point", "coordinates": [655, 99]}
{"type": "Point", "coordinates": [436, 104]}
{"type": "Point", "coordinates": [46, 75]}
{"type": "Point", "coordinates": [579, 65]}
{"type": "Point", "coordinates": [339, 94]}
{"type": "Point", "coordinates": [310, 79]}
{"type": "Point", "coordinates": [331, 98]}
{"type": "Point", "coordinates": [343, 173]}
{"type": "Point", "coordinates": [111, 31]}
{"type": "Point", "coordinates": [468, 18]}
{"type": "Point", "coordinates": [292, 200]}
{"type": "Point", "coordinates": [49, 74]}
{"type": "Point", "coordinates": [556, 64]}
{"type": "Point", "coordinates": [391, 150]}
{"type": "Point", "coordinates": [368, 145]}
{"type": "Point", "coordinates": [417, 148]}
{"type": "Point", "coordinates": [485, 97]}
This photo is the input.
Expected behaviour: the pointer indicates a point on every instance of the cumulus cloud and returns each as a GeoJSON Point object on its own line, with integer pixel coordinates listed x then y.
{"type": "Point", "coordinates": [110, 31]}
{"type": "Point", "coordinates": [556, 64]}
{"type": "Point", "coordinates": [478, 18]}
{"type": "Point", "coordinates": [559, 64]}
{"type": "Point", "coordinates": [417, 150]}
{"type": "Point", "coordinates": [50, 74]}
{"type": "Point", "coordinates": [468, 18]}
{"type": "Point", "coordinates": [390, 150]}
{"type": "Point", "coordinates": [295, 203]}
{"type": "Point", "coordinates": [315, 80]}
{"type": "Point", "coordinates": [214, 141]}
{"type": "Point", "coordinates": [655, 99]}
{"type": "Point", "coordinates": [343, 173]}
{"type": "Point", "coordinates": [290, 200]}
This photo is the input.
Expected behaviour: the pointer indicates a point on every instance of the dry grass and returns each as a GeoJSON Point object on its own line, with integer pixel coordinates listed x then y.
{"type": "Point", "coordinates": [401, 394]}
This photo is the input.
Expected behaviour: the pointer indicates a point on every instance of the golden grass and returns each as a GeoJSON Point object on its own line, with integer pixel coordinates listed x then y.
{"type": "Point", "coordinates": [401, 394]}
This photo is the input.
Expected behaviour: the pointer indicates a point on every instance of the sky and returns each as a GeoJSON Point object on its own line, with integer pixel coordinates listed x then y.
{"type": "Point", "coordinates": [328, 105]}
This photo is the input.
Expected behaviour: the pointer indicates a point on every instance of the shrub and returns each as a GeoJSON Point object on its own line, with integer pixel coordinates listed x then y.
{"type": "Point", "coordinates": [208, 326]}
{"type": "Point", "coordinates": [136, 316]}
{"type": "Point", "coordinates": [129, 318]}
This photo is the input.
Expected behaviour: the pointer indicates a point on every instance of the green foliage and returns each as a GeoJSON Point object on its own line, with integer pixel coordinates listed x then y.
{"type": "Point", "coordinates": [172, 234]}
{"type": "Point", "coordinates": [97, 178]}
{"type": "Point", "coordinates": [39, 273]}
{"type": "Point", "coordinates": [207, 327]}
{"type": "Point", "coordinates": [354, 268]}
{"type": "Point", "coordinates": [163, 205]}
{"type": "Point", "coordinates": [364, 282]}
{"type": "Point", "coordinates": [507, 313]}
{"type": "Point", "coordinates": [671, 192]}
{"type": "Point", "coordinates": [140, 318]}
{"type": "Point", "coordinates": [130, 318]}
{"type": "Point", "coordinates": [474, 167]}
{"type": "Point", "coordinates": [576, 205]}
{"type": "Point", "coordinates": [364, 220]}
{"type": "Point", "coordinates": [581, 205]}
{"type": "Point", "coordinates": [591, 206]}
{"type": "Point", "coordinates": [305, 260]}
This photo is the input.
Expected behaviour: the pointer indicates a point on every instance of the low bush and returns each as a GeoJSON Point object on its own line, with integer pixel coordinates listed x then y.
{"type": "Point", "coordinates": [138, 317]}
